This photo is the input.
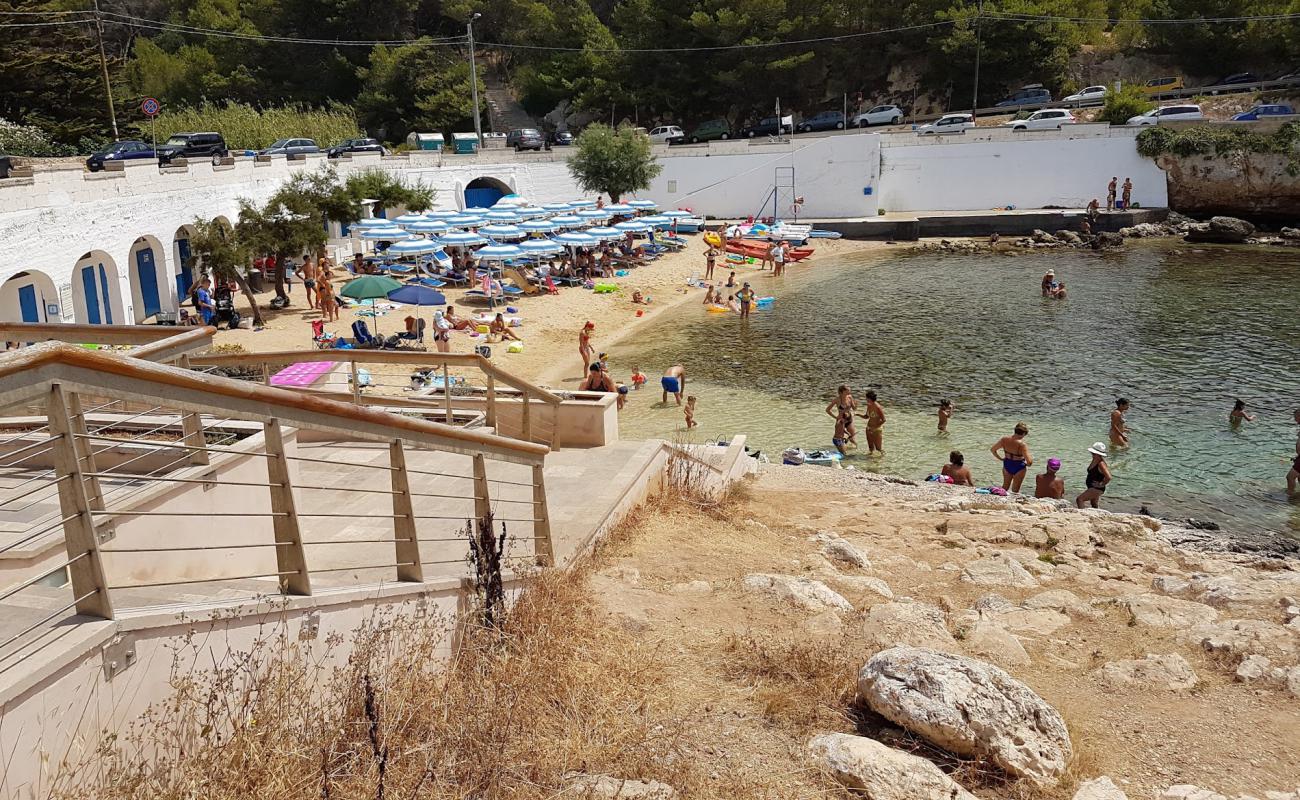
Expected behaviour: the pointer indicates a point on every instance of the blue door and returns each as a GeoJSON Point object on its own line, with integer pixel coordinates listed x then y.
{"type": "Point", "coordinates": [91, 293]}
{"type": "Point", "coordinates": [27, 303]}
{"type": "Point", "coordinates": [147, 275]}
{"type": "Point", "coordinates": [185, 273]}
{"type": "Point", "coordinates": [103, 285]}
{"type": "Point", "coordinates": [482, 198]}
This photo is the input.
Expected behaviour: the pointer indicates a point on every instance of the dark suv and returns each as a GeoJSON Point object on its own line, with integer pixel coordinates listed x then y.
{"type": "Point", "coordinates": [525, 139]}
{"type": "Point", "coordinates": [193, 145]}
{"type": "Point", "coordinates": [6, 164]}
{"type": "Point", "coordinates": [357, 146]}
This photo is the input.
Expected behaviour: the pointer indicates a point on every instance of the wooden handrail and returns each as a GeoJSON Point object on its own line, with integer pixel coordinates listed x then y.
{"type": "Point", "coordinates": [19, 376]}
{"type": "Point", "coordinates": [85, 334]}
{"type": "Point", "coordinates": [173, 347]}
{"type": "Point", "coordinates": [379, 357]}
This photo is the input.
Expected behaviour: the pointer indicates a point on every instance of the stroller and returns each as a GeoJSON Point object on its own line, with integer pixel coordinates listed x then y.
{"type": "Point", "coordinates": [223, 302]}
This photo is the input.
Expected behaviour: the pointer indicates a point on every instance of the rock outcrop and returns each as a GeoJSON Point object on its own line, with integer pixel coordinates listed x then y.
{"type": "Point", "coordinates": [880, 772]}
{"type": "Point", "coordinates": [804, 593]}
{"type": "Point", "coordinates": [1102, 788]}
{"type": "Point", "coordinates": [1170, 671]}
{"type": "Point", "coordinates": [970, 708]}
{"type": "Point", "coordinates": [914, 624]}
{"type": "Point", "coordinates": [1224, 230]}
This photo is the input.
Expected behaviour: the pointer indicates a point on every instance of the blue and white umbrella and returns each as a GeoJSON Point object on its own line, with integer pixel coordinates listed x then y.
{"type": "Point", "coordinates": [390, 233]}
{"type": "Point", "coordinates": [466, 220]}
{"type": "Point", "coordinates": [643, 205]}
{"type": "Point", "coordinates": [408, 219]}
{"type": "Point", "coordinates": [477, 211]}
{"type": "Point", "coordinates": [621, 208]}
{"type": "Point", "coordinates": [498, 252]}
{"type": "Point", "coordinates": [530, 212]}
{"type": "Point", "coordinates": [634, 227]}
{"type": "Point", "coordinates": [604, 233]}
{"type": "Point", "coordinates": [411, 247]}
{"type": "Point", "coordinates": [443, 214]}
{"type": "Point", "coordinates": [594, 214]}
{"type": "Point", "coordinates": [430, 226]}
{"type": "Point", "coordinates": [677, 214]}
{"type": "Point", "coordinates": [508, 200]}
{"type": "Point", "coordinates": [558, 208]}
{"type": "Point", "coordinates": [658, 221]}
{"type": "Point", "coordinates": [462, 239]}
{"type": "Point", "coordinates": [582, 204]}
{"type": "Point", "coordinates": [540, 247]}
{"type": "Point", "coordinates": [503, 231]}
{"type": "Point", "coordinates": [538, 226]}
{"type": "Point", "coordinates": [573, 239]}
{"type": "Point", "coordinates": [372, 222]}
{"type": "Point", "coordinates": [568, 221]}
{"type": "Point", "coordinates": [501, 216]}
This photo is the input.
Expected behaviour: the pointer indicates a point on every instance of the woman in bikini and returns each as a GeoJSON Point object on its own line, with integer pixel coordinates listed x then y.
{"type": "Point", "coordinates": [841, 409]}
{"type": "Point", "coordinates": [1014, 455]}
{"type": "Point", "coordinates": [875, 418]}
{"type": "Point", "coordinates": [584, 346]}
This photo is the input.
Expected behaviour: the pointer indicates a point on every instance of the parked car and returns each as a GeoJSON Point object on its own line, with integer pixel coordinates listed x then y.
{"type": "Point", "coordinates": [1087, 96]}
{"type": "Point", "coordinates": [125, 150]}
{"type": "Point", "coordinates": [1238, 78]}
{"type": "Point", "coordinates": [767, 126]}
{"type": "Point", "coordinates": [1261, 111]}
{"type": "Point", "coordinates": [193, 145]}
{"type": "Point", "coordinates": [1189, 111]}
{"type": "Point", "coordinates": [1046, 119]}
{"type": "Point", "coordinates": [357, 146]}
{"type": "Point", "coordinates": [949, 123]}
{"type": "Point", "coordinates": [291, 147]}
{"type": "Point", "coordinates": [6, 164]}
{"type": "Point", "coordinates": [494, 135]}
{"type": "Point", "coordinates": [561, 138]}
{"type": "Point", "coordinates": [880, 115]}
{"type": "Point", "coordinates": [710, 130]}
{"type": "Point", "coordinates": [666, 133]}
{"type": "Point", "coordinates": [1159, 86]}
{"type": "Point", "coordinates": [525, 139]}
{"type": "Point", "coordinates": [823, 121]}
{"type": "Point", "coordinates": [1033, 94]}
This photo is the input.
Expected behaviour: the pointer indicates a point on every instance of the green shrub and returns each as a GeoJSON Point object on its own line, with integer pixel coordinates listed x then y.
{"type": "Point", "coordinates": [1222, 141]}
{"type": "Point", "coordinates": [249, 128]}
{"type": "Point", "coordinates": [1118, 106]}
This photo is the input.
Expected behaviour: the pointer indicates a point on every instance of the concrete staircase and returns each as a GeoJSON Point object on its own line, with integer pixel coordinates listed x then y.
{"type": "Point", "coordinates": [504, 112]}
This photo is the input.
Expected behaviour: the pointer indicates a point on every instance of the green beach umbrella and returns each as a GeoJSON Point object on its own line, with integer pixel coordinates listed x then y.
{"type": "Point", "coordinates": [370, 287]}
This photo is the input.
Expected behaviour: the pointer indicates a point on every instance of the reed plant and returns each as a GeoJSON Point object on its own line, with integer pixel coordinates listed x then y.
{"type": "Point", "coordinates": [248, 128]}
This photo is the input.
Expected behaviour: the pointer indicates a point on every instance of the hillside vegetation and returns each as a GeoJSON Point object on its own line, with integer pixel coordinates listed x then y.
{"type": "Point", "coordinates": [403, 64]}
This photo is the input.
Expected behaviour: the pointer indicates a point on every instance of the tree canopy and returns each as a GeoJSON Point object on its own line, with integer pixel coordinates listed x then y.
{"type": "Point", "coordinates": [613, 162]}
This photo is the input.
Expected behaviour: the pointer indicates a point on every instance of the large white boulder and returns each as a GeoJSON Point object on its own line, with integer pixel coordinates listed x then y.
{"type": "Point", "coordinates": [970, 708]}
{"type": "Point", "coordinates": [805, 593]}
{"type": "Point", "coordinates": [837, 548]}
{"type": "Point", "coordinates": [880, 772]}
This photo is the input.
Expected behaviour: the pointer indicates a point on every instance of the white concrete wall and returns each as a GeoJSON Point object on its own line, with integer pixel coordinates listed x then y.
{"type": "Point", "coordinates": [733, 179]}
{"type": "Point", "coordinates": [986, 169]}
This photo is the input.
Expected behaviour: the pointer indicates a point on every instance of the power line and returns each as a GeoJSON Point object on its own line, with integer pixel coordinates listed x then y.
{"type": "Point", "coordinates": [714, 48]}
{"type": "Point", "coordinates": [174, 27]}
{"type": "Point", "coordinates": [996, 15]}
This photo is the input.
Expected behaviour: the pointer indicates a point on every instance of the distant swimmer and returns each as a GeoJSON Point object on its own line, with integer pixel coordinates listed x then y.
{"type": "Point", "coordinates": [842, 409]}
{"type": "Point", "coordinates": [1050, 485]}
{"type": "Point", "coordinates": [1098, 477]}
{"type": "Point", "coordinates": [1238, 414]}
{"type": "Point", "coordinates": [1118, 426]}
{"type": "Point", "coordinates": [946, 409]}
{"type": "Point", "coordinates": [875, 418]}
{"type": "Point", "coordinates": [1014, 455]}
{"type": "Point", "coordinates": [957, 470]}
{"type": "Point", "coordinates": [1049, 282]}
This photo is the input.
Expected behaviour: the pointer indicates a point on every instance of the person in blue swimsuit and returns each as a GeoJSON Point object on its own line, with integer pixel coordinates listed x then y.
{"type": "Point", "coordinates": [1014, 455]}
{"type": "Point", "coordinates": [674, 383]}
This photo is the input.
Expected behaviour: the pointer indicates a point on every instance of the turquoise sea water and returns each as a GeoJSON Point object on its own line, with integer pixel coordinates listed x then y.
{"type": "Point", "coordinates": [1179, 330]}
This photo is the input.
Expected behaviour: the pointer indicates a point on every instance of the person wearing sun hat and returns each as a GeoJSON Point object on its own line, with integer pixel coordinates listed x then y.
{"type": "Point", "coordinates": [1098, 477]}
{"type": "Point", "coordinates": [1050, 485]}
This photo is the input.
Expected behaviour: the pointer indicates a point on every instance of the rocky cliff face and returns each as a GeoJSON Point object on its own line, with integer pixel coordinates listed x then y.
{"type": "Point", "coordinates": [1254, 186]}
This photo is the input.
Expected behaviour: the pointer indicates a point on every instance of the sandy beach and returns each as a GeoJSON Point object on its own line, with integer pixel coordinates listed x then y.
{"type": "Point", "coordinates": [550, 322]}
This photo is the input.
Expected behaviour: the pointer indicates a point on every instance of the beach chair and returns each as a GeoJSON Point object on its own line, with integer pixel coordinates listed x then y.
{"type": "Point", "coordinates": [432, 283]}
{"type": "Point", "coordinates": [551, 288]}
{"type": "Point", "coordinates": [322, 340]}
{"type": "Point", "coordinates": [362, 337]}
{"type": "Point", "coordinates": [528, 287]}
{"type": "Point", "coordinates": [412, 340]}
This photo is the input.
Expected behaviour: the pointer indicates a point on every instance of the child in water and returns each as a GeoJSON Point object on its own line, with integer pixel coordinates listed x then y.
{"type": "Point", "coordinates": [945, 413]}
{"type": "Point", "coordinates": [1238, 414]}
{"type": "Point", "coordinates": [689, 412]}
{"type": "Point", "coordinates": [638, 378]}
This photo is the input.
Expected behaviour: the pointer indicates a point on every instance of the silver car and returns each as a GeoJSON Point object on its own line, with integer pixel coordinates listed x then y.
{"type": "Point", "coordinates": [291, 147]}
{"type": "Point", "coordinates": [880, 115]}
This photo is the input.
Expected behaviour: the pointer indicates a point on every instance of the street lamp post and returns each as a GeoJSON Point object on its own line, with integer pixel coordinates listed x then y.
{"type": "Point", "coordinates": [473, 77]}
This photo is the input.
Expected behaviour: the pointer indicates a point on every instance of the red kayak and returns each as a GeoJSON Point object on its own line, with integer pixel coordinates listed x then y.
{"type": "Point", "coordinates": [752, 248]}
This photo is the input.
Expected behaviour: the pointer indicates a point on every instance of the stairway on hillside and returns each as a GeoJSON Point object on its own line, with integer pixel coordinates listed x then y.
{"type": "Point", "coordinates": [504, 112]}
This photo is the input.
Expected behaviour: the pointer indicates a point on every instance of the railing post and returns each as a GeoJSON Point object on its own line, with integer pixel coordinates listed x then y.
{"type": "Point", "coordinates": [85, 449]}
{"type": "Point", "coordinates": [192, 430]}
{"type": "Point", "coordinates": [289, 555]}
{"type": "Point", "coordinates": [406, 538]}
{"type": "Point", "coordinates": [555, 426]}
{"type": "Point", "coordinates": [356, 382]}
{"type": "Point", "coordinates": [528, 417]}
{"type": "Point", "coordinates": [85, 568]}
{"type": "Point", "coordinates": [492, 402]}
{"type": "Point", "coordinates": [446, 391]}
{"type": "Point", "coordinates": [482, 500]}
{"type": "Point", "coordinates": [543, 549]}
{"type": "Point", "coordinates": [266, 374]}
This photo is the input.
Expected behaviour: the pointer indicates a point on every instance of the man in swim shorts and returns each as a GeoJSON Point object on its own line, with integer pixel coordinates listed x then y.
{"type": "Point", "coordinates": [674, 383]}
{"type": "Point", "coordinates": [1050, 485]}
{"type": "Point", "coordinates": [1014, 455]}
{"type": "Point", "coordinates": [1118, 428]}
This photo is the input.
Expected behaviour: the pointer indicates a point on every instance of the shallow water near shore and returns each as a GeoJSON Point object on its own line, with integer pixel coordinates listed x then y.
{"type": "Point", "coordinates": [1181, 331]}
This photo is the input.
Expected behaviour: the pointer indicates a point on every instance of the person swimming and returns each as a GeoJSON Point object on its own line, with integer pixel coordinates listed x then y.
{"type": "Point", "coordinates": [1238, 414]}
{"type": "Point", "coordinates": [1014, 455]}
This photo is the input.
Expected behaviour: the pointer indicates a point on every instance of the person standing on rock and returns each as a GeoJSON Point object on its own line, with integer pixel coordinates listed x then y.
{"type": "Point", "coordinates": [1111, 189]}
{"type": "Point", "coordinates": [1014, 455]}
{"type": "Point", "coordinates": [1050, 484]}
{"type": "Point", "coordinates": [1128, 193]}
{"type": "Point", "coordinates": [1097, 479]}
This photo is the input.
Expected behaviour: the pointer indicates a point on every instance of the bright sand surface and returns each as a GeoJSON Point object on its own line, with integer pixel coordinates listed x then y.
{"type": "Point", "coordinates": [550, 323]}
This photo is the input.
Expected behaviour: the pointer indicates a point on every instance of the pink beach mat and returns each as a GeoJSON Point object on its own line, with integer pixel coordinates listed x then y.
{"type": "Point", "coordinates": [302, 374]}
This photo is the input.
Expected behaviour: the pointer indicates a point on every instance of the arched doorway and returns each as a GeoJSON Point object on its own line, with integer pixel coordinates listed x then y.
{"type": "Point", "coordinates": [149, 278]}
{"type": "Point", "coordinates": [485, 192]}
{"type": "Point", "coordinates": [96, 297]}
{"type": "Point", "coordinates": [183, 270]}
{"type": "Point", "coordinates": [29, 297]}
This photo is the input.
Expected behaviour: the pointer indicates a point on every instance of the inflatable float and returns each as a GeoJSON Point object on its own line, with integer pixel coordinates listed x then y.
{"type": "Point", "coordinates": [797, 457]}
{"type": "Point", "coordinates": [753, 249]}
{"type": "Point", "coordinates": [713, 239]}
{"type": "Point", "coordinates": [604, 288]}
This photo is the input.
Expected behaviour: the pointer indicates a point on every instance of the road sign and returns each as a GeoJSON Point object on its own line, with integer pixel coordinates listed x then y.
{"type": "Point", "coordinates": [150, 107]}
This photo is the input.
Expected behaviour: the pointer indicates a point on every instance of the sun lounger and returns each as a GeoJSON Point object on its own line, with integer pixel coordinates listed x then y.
{"type": "Point", "coordinates": [303, 374]}
{"type": "Point", "coordinates": [521, 280]}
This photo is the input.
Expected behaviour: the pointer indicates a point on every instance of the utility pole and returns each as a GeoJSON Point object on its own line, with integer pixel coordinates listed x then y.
{"type": "Point", "coordinates": [473, 76]}
{"type": "Point", "coordinates": [975, 93]}
{"type": "Point", "coordinates": [103, 68]}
